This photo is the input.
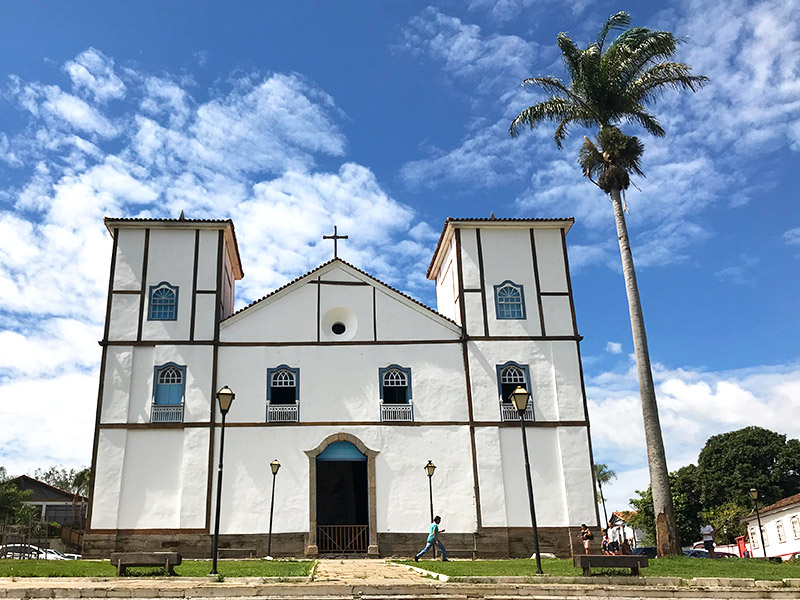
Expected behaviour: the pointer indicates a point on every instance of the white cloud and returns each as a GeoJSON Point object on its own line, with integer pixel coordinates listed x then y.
{"type": "Point", "coordinates": [693, 406]}
{"type": "Point", "coordinates": [466, 53]}
{"type": "Point", "coordinates": [792, 236]}
{"type": "Point", "coordinates": [93, 71]}
{"type": "Point", "coordinates": [507, 10]}
{"type": "Point", "coordinates": [614, 347]}
{"type": "Point", "coordinates": [248, 153]}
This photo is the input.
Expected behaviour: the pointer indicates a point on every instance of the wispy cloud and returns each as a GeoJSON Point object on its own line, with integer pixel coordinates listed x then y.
{"type": "Point", "coordinates": [125, 142]}
{"type": "Point", "coordinates": [693, 405]}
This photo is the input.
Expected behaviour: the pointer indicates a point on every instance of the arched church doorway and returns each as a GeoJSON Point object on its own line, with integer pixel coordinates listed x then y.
{"type": "Point", "coordinates": [342, 501]}
{"type": "Point", "coordinates": [342, 497]}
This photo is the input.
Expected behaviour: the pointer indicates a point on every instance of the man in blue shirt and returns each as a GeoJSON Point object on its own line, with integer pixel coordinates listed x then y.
{"type": "Point", "coordinates": [433, 538]}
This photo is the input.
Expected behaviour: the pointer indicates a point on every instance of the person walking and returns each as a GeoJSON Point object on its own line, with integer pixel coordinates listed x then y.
{"type": "Point", "coordinates": [587, 537]}
{"type": "Point", "coordinates": [433, 538]}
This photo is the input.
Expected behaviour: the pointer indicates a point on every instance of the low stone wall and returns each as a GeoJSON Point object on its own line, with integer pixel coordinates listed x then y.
{"type": "Point", "coordinates": [497, 542]}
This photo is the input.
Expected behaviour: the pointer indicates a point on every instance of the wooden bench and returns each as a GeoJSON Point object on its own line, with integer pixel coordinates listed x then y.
{"type": "Point", "coordinates": [587, 561]}
{"type": "Point", "coordinates": [123, 560]}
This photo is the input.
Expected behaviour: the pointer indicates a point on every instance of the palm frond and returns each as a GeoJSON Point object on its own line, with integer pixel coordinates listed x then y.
{"type": "Point", "coordinates": [648, 122]}
{"type": "Point", "coordinates": [634, 52]}
{"type": "Point", "coordinates": [617, 21]}
{"type": "Point", "coordinates": [571, 54]}
{"type": "Point", "coordinates": [554, 109]}
{"type": "Point", "coordinates": [661, 76]}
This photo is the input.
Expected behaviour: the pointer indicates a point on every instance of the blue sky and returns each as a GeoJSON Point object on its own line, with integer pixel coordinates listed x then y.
{"type": "Point", "coordinates": [385, 118]}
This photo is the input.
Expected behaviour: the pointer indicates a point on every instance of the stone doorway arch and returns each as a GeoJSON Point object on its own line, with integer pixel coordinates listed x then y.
{"type": "Point", "coordinates": [311, 548]}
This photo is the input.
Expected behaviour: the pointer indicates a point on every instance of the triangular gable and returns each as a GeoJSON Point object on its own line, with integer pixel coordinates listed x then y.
{"type": "Point", "coordinates": [291, 304]}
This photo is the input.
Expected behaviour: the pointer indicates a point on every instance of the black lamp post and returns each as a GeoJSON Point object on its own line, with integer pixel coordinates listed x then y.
{"type": "Point", "coordinates": [519, 398]}
{"type": "Point", "coordinates": [225, 397]}
{"type": "Point", "coordinates": [754, 496]}
{"type": "Point", "coordinates": [429, 469]}
{"type": "Point", "coordinates": [274, 465]}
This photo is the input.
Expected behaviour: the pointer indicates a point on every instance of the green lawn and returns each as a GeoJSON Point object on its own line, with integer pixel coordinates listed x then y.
{"type": "Point", "coordinates": [189, 568]}
{"type": "Point", "coordinates": [676, 566]}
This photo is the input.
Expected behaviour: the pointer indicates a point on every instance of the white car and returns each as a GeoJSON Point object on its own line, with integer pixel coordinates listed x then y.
{"type": "Point", "coordinates": [26, 551]}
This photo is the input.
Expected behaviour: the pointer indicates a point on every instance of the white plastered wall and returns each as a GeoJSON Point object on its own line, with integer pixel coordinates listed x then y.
{"type": "Point", "coordinates": [550, 259]}
{"type": "Point", "coordinates": [401, 482]}
{"type": "Point", "coordinates": [555, 378]}
{"type": "Point", "coordinates": [171, 259]}
{"type": "Point", "coordinates": [507, 257]}
{"type": "Point", "coordinates": [197, 360]}
{"type": "Point", "coordinates": [447, 286]}
{"type": "Point", "coordinates": [340, 383]}
{"type": "Point", "coordinates": [290, 316]}
{"type": "Point", "coordinates": [128, 261]}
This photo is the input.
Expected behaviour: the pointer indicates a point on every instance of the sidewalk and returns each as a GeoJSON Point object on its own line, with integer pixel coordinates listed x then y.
{"type": "Point", "coordinates": [379, 579]}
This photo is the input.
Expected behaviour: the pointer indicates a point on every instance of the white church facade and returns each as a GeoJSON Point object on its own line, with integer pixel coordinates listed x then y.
{"type": "Point", "coordinates": [352, 386]}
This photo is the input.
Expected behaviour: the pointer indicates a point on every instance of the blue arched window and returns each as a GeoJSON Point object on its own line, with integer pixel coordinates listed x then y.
{"type": "Point", "coordinates": [170, 383]}
{"type": "Point", "coordinates": [395, 384]}
{"type": "Point", "coordinates": [163, 302]}
{"type": "Point", "coordinates": [283, 385]}
{"type": "Point", "coordinates": [509, 301]}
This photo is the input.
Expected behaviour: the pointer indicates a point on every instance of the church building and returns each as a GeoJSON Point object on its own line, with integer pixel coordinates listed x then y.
{"type": "Point", "coordinates": [352, 386]}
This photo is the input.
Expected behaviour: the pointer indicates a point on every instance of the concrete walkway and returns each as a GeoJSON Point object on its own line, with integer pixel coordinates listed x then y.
{"type": "Point", "coordinates": [352, 579]}
{"type": "Point", "coordinates": [364, 571]}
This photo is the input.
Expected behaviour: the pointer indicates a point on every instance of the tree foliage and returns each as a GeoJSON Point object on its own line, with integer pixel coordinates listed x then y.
{"type": "Point", "coordinates": [716, 490]}
{"type": "Point", "coordinates": [752, 457]}
{"type": "Point", "coordinates": [11, 498]}
{"type": "Point", "coordinates": [69, 480]}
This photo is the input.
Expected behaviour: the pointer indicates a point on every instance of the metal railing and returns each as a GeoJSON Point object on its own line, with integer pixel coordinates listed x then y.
{"type": "Point", "coordinates": [397, 412]}
{"type": "Point", "coordinates": [342, 539]}
{"type": "Point", "coordinates": [509, 413]}
{"type": "Point", "coordinates": [282, 413]}
{"type": "Point", "coordinates": [167, 413]}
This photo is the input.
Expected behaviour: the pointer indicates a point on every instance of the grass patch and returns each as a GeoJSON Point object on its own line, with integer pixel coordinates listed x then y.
{"type": "Point", "coordinates": [673, 566]}
{"type": "Point", "coordinates": [189, 568]}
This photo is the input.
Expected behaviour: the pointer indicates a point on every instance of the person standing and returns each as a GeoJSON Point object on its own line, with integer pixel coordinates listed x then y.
{"type": "Point", "coordinates": [707, 531]}
{"type": "Point", "coordinates": [613, 540]}
{"type": "Point", "coordinates": [433, 538]}
{"type": "Point", "coordinates": [587, 538]}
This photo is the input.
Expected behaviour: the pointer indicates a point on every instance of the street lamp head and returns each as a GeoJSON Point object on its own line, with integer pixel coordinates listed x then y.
{"type": "Point", "coordinates": [275, 465]}
{"type": "Point", "coordinates": [225, 397]}
{"type": "Point", "coordinates": [519, 398]}
{"type": "Point", "coordinates": [430, 468]}
{"type": "Point", "coordinates": [754, 493]}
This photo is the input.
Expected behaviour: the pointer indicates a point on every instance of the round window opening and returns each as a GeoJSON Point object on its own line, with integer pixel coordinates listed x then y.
{"type": "Point", "coordinates": [338, 328]}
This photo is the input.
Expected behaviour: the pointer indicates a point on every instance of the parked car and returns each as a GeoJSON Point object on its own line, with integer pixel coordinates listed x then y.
{"type": "Point", "coordinates": [26, 551]}
{"type": "Point", "coordinates": [704, 554]}
{"type": "Point", "coordinates": [648, 551]}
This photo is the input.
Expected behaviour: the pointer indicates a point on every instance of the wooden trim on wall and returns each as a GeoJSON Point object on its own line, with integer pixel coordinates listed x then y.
{"type": "Point", "coordinates": [537, 282]}
{"type": "Point", "coordinates": [588, 428]}
{"type": "Point", "coordinates": [569, 280]}
{"type": "Point", "coordinates": [123, 292]}
{"type": "Point", "coordinates": [329, 282]}
{"type": "Point", "coordinates": [194, 283]}
{"type": "Point", "coordinates": [374, 315]}
{"type": "Point", "coordinates": [101, 385]}
{"type": "Point", "coordinates": [468, 382]}
{"type": "Point", "coordinates": [205, 291]}
{"type": "Point", "coordinates": [319, 311]}
{"type": "Point", "coordinates": [555, 293]}
{"type": "Point", "coordinates": [143, 293]}
{"type": "Point", "coordinates": [220, 278]}
{"type": "Point", "coordinates": [266, 424]}
{"type": "Point", "coordinates": [483, 282]}
{"type": "Point", "coordinates": [472, 290]}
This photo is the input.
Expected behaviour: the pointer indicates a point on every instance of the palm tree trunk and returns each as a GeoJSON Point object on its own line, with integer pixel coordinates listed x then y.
{"type": "Point", "coordinates": [666, 529]}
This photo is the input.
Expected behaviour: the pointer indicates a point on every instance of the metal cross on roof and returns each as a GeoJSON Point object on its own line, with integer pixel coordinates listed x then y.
{"type": "Point", "coordinates": [335, 237]}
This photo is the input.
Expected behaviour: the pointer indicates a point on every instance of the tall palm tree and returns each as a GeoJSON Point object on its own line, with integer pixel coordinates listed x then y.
{"type": "Point", "coordinates": [602, 474]}
{"type": "Point", "coordinates": [609, 87]}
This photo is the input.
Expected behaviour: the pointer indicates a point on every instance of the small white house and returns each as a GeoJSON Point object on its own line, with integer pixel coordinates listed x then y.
{"type": "Point", "coordinates": [352, 385]}
{"type": "Point", "coordinates": [780, 527]}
